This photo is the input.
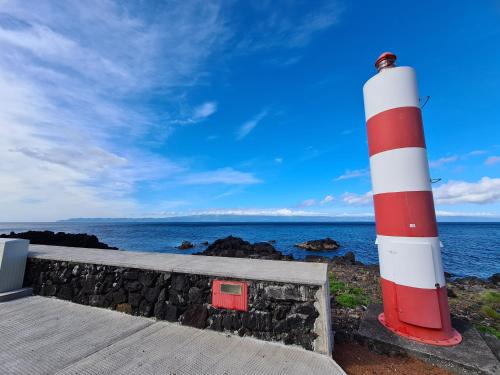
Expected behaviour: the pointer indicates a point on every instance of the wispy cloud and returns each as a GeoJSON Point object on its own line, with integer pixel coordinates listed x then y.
{"type": "Point", "coordinates": [283, 63]}
{"type": "Point", "coordinates": [308, 203]}
{"type": "Point", "coordinates": [356, 173]}
{"type": "Point", "coordinates": [358, 199]}
{"type": "Point", "coordinates": [327, 199]}
{"type": "Point", "coordinates": [205, 110]}
{"type": "Point", "coordinates": [278, 160]}
{"type": "Point", "coordinates": [492, 160]}
{"type": "Point", "coordinates": [227, 176]}
{"type": "Point", "coordinates": [486, 190]}
{"type": "Point", "coordinates": [250, 125]}
{"type": "Point", "coordinates": [314, 202]}
{"type": "Point", "coordinates": [197, 114]}
{"type": "Point", "coordinates": [81, 68]}
{"type": "Point", "coordinates": [476, 153]}
{"type": "Point", "coordinates": [442, 161]}
{"type": "Point", "coordinates": [230, 192]}
{"type": "Point", "coordinates": [278, 30]}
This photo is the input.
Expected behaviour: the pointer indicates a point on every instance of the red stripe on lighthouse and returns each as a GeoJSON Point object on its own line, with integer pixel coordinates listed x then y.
{"type": "Point", "coordinates": [416, 306]}
{"type": "Point", "coordinates": [421, 314]}
{"type": "Point", "coordinates": [395, 128]}
{"type": "Point", "coordinates": [405, 214]}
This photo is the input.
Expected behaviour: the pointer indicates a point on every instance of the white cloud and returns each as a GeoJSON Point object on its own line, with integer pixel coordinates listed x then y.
{"type": "Point", "coordinates": [277, 30]}
{"type": "Point", "coordinates": [275, 212]}
{"type": "Point", "coordinates": [442, 213]}
{"type": "Point", "coordinates": [327, 199]}
{"type": "Point", "coordinates": [72, 75]}
{"type": "Point", "coordinates": [250, 125]}
{"type": "Point", "coordinates": [199, 113]}
{"type": "Point", "coordinates": [287, 212]}
{"type": "Point", "coordinates": [442, 161]}
{"type": "Point", "coordinates": [356, 173]}
{"type": "Point", "coordinates": [92, 159]}
{"type": "Point", "coordinates": [357, 199]}
{"type": "Point", "coordinates": [205, 110]}
{"type": "Point", "coordinates": [492, 160]}
{"type": "Point", "coordinates": [278, 160]}
{"type": "Point", "coordinates": [476, 153]}
{"type": "Point", "coordinates": [486, 190]}
{"type": "Point", "coordinates": [228, 176]}
{"type": "Point", "coordinates": [308, 203]}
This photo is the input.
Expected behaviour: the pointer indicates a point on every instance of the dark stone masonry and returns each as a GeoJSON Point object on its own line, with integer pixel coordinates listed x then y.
{"type": "Point", "coordinates": [276, 311]}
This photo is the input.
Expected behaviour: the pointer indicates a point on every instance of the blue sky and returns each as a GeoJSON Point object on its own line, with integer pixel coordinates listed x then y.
{"type": "Point", "coordinates": [153, 109]}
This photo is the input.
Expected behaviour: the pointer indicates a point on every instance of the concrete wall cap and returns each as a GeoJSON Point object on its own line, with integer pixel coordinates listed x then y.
{"type": "Point", "coordinates": [239, 268]}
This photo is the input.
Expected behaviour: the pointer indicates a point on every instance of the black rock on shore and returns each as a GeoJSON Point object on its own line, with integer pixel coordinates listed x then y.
{"type": "Point", "coordinates": [346, 259]}
{"type": "Point", "coordinates": [236, 247]}
{"type": "Point", "coordinates": [60, 239]}
{"type": "Point", "coordinates": [185, 245]}
{"type": "Point", "coordinates": [326, 244]}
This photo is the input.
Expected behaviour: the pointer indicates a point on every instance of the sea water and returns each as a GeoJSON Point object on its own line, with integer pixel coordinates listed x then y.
{"type": "Point", "coordinates": [470, 249]}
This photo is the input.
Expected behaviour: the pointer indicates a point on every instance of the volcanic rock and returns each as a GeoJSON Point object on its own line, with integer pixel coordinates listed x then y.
{"type": "Point", "coordinates": [237, 248]}
{"type": "Point", "coordinates": [317, 259]}
{"type": "Point", "coordinates": [326, 244]}
{"type": "Point", "coordinates": [346, 259]}
{"type": "Point", "coordinates": [196, 316]}
{"type": "Point", "coordinates": [185, 245]}
{"type": "Point", "coordinates": [60, 239]}
{"type": "Point", "coordinates": [495, 279]}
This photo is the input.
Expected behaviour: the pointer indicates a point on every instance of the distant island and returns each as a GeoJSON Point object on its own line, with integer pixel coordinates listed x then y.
{"type": "Point", "coordinates": [209, 218]}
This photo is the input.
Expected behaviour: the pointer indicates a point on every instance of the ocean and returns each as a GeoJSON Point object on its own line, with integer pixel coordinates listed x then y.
{"type": "Point", "coordinates": [470, 249]}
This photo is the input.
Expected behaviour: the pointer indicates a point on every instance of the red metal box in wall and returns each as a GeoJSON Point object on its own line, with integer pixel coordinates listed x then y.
{"type": "Point", "coordinates": [231, 295]}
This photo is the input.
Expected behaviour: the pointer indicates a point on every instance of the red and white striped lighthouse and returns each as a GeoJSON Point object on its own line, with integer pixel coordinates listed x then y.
{"type": "Point", "coordinates": [412, 277]}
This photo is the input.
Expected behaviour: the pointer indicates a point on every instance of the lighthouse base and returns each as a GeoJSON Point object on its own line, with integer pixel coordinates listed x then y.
{"type": "Point", "coordinates": [455, 339]}
{"type": "Point", "coordinates": [472, 356]}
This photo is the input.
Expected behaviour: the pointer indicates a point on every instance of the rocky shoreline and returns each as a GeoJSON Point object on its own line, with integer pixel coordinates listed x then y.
{"type": "Point", "coordinates": [236, 247]}
{"type": "Point", "coordinates": [353, 285]}
{"type": "Point", "coordinates": [60, 239]}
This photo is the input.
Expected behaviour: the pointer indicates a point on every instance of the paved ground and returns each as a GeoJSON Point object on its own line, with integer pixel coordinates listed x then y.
{"type": "Point", "coordinates": [47, 336]}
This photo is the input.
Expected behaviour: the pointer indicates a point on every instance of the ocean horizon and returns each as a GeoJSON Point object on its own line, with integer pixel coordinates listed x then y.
{"type": "Point", "coordinates": [469, 248]}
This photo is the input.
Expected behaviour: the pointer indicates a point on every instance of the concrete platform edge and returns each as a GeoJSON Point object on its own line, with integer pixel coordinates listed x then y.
{"type": "Point", "coordinates": [15, 294]}
{"type": "Point", "coordinates": [472, 356]}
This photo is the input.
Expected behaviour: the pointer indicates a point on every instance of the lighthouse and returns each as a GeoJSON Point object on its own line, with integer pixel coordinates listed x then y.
{"type": "Point", "coordinates": [411, 272]}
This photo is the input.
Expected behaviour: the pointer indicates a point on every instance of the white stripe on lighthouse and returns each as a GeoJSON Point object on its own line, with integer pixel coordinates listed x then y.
{"type": "Point", "coordinates": [403, 91]}
{"type": "Point", "coordinates": [413, 262]}
{"type": "Point", "coordinates": [401, 169]}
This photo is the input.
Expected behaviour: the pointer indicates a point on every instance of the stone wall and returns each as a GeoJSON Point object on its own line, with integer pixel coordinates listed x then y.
{"type": "Point", "coordinates": [276, 311]}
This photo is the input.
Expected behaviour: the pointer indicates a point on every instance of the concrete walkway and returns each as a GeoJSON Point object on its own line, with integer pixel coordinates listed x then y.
{"type": "Point", "coordinates": [47, 336]}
